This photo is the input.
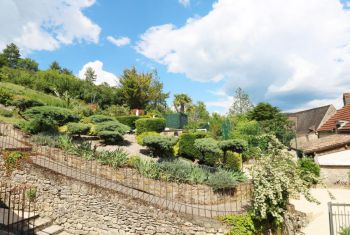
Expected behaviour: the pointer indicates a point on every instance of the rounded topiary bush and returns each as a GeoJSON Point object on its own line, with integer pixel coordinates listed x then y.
{"type": "Point", "coordinates": [100, 118]}
{"type": "Point", "coordinates": [60, 115]}
{"type": "Point", "coordinates": [78, 128]}
{"type": "Point", "coordinates": [112, 126]}
{"type": "Point", "coordinates": [161, 146]}
{"type": "Point", "coordinates": [111, 137]}
{"type": "Point", "coordinates": [140, 137]}
{"type": "Point", "coordinates": [186, 144]}
{"type": "Point", "coordinates": [149, 124]}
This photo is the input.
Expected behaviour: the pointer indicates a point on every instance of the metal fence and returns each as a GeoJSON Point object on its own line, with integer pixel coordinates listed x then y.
{"type": "Point", "coordinates": [339, 218]}
{"type": "Point", "coordinates": [17, 209]}
{"type": "Point", "coordinates": [192, 199]}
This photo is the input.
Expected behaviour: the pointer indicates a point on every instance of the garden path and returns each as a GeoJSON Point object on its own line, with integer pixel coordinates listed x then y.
{"type": "Point", "coordinates": [318, 214]}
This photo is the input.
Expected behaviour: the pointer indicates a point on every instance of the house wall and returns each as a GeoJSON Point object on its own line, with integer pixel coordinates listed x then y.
{"type": "Point", "coordinates": [331, 111]}
{"type": "Point", "coordinates": [335, 174]}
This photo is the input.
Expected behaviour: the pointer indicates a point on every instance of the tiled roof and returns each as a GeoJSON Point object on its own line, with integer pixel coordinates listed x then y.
{"type": "Point", "coordinates": [325, 143]}
{"type": "Point", "coordinates": [342, 114]}
{"type": "Point", "coordinates": [309, 120]}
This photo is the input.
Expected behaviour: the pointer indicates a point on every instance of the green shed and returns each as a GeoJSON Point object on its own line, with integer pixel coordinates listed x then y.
{"type": "Point", "coordinates": [176, 120]}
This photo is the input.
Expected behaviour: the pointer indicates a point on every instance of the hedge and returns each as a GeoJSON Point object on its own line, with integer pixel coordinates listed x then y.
{"type": "Point", "coordinates": [149, 124]}
{"type": "Point", "coordinates": [100, 118]}
{"type": "Point", "coordinates": [128, 120]}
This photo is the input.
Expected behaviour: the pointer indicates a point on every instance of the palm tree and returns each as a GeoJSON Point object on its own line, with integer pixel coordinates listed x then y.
{"type": "Point", "coordinates": [181, 100]}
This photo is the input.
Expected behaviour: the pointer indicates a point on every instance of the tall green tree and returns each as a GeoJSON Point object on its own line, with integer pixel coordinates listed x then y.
{"type": "Point", "coordinates": [264, 111]}
{"type": "Point", "coordinates": [181, 101]}
{"type": "Point", "coordinates": [241, 103]}
{"type": "Point", "coordinates": [90, 75]}
{"type": "Point", "coordinates": [198, 112]}
{"type": "Point", "coordinates": [11, 55]}
{"type": "Point", "coordinates": [138, 90]}
{"type": "Point", "coordinates": [28, 64]}
{"type": "Point", "coordinates": [55, 66]}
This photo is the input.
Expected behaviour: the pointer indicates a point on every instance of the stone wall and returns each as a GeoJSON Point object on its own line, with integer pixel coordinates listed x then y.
{"type": "Point", "coordinates": [83, 209]}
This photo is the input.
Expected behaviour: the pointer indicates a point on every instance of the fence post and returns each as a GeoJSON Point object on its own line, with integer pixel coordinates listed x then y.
{"type": "Point", "coordinates": [330, 214]}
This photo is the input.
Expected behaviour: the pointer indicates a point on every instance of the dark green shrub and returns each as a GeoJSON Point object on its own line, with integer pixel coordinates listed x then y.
{"type": "Point", "coordinates": [223, 179]}
{"type": "Point", "coordinates": [161, 146]}
{"type": "Point", "coordinates": [100, 118]}
{"type": "Point", "coordinates": [110, 137]}
{"type": "Point", "coordinates": [309, 170]}
{"type": "Point", "coordinates": [112, 126]}
{"type": "Point", "coordinates": [38, 125]}
{"type": "Point", "coordinates": [149, 124]}
{"type": "Point", "coordinates": [209, 149]}
{"type": "Point", "coordinates": [242, 224]}
{"type": "Point", "coordinates": [74, 128]}
{"type": "Point", "coordinates": [140, 137]}
{"type": "Point", "coordinates": [234, 145]}
{"type": "Point", "coordinates": [24, 104]}
{"type": "Point", "coordinates": [128, 120]}
{"type": "Point", "coordinates": [60, 115]}
{"type": "Point", "coordinates": [186, 144]}
{"type": "Point", "coordinates": [233, 161]}
{"type": "Point", "coordinates": [5, 96]}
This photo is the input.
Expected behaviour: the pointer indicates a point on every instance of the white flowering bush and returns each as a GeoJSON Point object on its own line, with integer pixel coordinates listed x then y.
{"type": "Point", "coordinates": [276, 178]}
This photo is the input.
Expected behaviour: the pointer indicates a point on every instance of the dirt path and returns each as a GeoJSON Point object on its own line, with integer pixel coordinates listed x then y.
{"type": "Point", "coordinates": [318, 214]}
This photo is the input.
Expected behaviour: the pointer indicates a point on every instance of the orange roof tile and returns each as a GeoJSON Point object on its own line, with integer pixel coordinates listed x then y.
{"type": "Point", "coordinates": [342, 114]}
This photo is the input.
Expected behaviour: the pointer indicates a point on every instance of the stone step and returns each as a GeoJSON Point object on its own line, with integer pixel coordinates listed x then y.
{"type": "Point", "coordinates": [52, 230]}
{"type": "Point", "coordinates": [42, 223]}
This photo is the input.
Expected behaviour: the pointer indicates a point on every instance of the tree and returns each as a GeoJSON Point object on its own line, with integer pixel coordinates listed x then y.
{"type": "Point", "coordinates": [181, 100]}
{"type": "Point", "coordinates": [241, 103]}
{"type": "Point", "coordinates": [11, 55]}
{"type": "Point", "coordinates": [138, 90]}
{"type": "Point", "coordinates": [55, 66]}
{"type": "Point", "coordinates": [66, 71]}
{"type": "Point", "coordinates": [28, 64]}
{"type": "Point", "coordinates": [263, 112]}
{"type": "Point", "coordinates": [90, 75]}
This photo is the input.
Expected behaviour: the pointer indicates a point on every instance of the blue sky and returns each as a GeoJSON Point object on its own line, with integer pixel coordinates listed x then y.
{"type": "Point", "coordinates": [292, 53]}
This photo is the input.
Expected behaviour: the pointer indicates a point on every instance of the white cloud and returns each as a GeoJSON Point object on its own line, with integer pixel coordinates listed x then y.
{"type": "Point", "coordinates": [120, 41]}
{"type": "Point", "coordinates": [102, 75]}
{"type": "Point", "coordinates": [290, 52]}
{"type": "Point", "coordinates": [45, 25]}
{"type": "Point", "coordinates": [185, 3]}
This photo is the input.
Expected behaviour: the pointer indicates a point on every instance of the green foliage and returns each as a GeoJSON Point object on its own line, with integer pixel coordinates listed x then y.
{"type": "Point", "coordinates": [28, 64]}
{"type": "Point", "coordinates": [100, 118]}
{"type": "Point", "coordinates": [344, 231]}
{"type": "Point", "coordinates": [186, 144]}
{"type": "Point", "coordinates": [139, 90]}
{"type": "Point", "coordinates": [5, 96]}
{"type": "Point", "coordinates": [116, 159]}
{"type": "Point", "coordinates": [309, 170]}
{"type": "Point", "coordinates": [223, 179]}
{"type": "Point", "coordinates": [149, 124]}
{"type": "Point", "coordinates": [78, 128]}
{"type": "Point", "coordinates": [112, 126]}
{"type": "Point", "coordinates": [276, 178]}
{"type": "Point", "coordinates": [209, 149]}
{"type": "Point", "coordinates": [117, 110]}
{"type": "Point", "coordinates": [215, 124]}
{"type": "Point", "coordinates": [59, 115]}
{"type": "Point", "coordinates": [12, 160]}
{"type": "Point", "coordinates": [46, 139]}
{"type": "Point", "coordinates": [242, 224]}
{"type": "Point", "coordinates": [110, 137]}
{"type": "Point", "coordinates": [6, 113]}
{"type": "Point", "coordinates": [161, 146]}
{"type": "Point", "coordinates": [263, 112]}
{"type": "Point", "coordinates": [39, 124]}
{"type": "Point", "coordinates": [90, 75]}
{"type": "Point", "coordinates": [23, 103]}
{"type": "Point", "coordinates": [128, 120]}
{"type": "Point", "coordinates": [148, 169]}
{"type": "Point", "coordinates": [181, 102]}
{"type": "Point", "coordinates": [233, 161]}
{"type": "Point", "coordinates": [140, 137]}
{"type": "Point", "coordinates": [31, 194]}
{"type": "Point", "coordinates": [11, 55]}
{"type": "Point", "coordinates": [234, 145]}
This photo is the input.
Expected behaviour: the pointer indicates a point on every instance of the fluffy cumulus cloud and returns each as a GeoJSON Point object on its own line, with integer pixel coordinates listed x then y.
{"type": "Point", "coordinates": [45, 25]}
{"type": "Point", "coordinates": [102, 75]}
{"type": "Point", "coordinates": [120, 41]}
{"type": "Point", "coordinates": [293, 53]}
